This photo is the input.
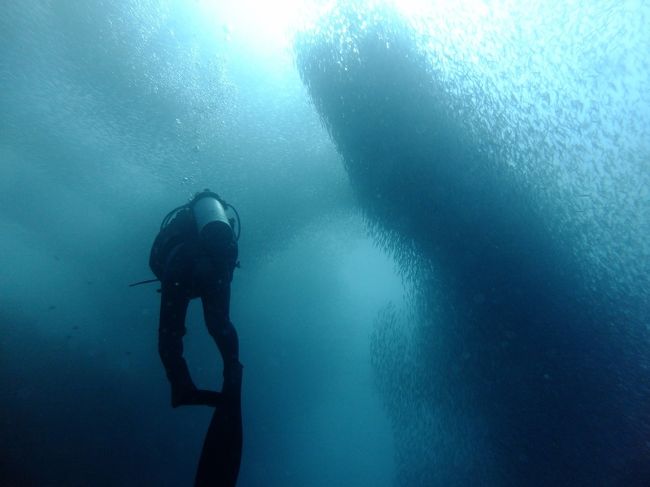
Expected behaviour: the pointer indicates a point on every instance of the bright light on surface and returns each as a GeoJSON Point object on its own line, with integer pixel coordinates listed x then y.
{"type": "Point", "coordinates": [264, 25]}
{"type": "Point", "coordinates": [267, 28]}
{"type": "Point", "coordinates": [270, 26]}
{"type": "Point", "coordinates": [413, 8]}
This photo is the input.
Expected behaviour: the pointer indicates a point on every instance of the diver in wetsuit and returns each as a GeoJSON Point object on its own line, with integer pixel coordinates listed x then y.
{"type": "Point", "coordinates": [194, 256]}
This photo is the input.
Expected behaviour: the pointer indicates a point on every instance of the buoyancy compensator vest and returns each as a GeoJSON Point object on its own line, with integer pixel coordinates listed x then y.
{"type": "Point", "coordinates": [176, 228]}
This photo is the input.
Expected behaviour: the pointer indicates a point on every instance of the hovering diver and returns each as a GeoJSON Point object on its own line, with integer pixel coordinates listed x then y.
{"type": "Point", "coordinates": [194, 256]}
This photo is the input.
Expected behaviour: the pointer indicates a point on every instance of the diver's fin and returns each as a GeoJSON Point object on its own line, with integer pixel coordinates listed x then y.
{"type": "Point", "coordinates": [221, 454]}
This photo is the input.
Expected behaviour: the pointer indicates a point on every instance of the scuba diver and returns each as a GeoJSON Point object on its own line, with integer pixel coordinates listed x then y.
{"type": "Point", "coordinates": [194, 256]}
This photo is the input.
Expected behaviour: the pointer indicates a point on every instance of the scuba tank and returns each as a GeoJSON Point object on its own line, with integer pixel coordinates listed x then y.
{"type": "Point", "coordinates": [204, 216]}
{"type": "Point", "coordinates": [210, 217]}
{"type": "Point", "coordinates": [214, 228]}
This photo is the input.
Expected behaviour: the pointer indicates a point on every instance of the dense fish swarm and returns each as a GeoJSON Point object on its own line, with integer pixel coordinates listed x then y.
{"type": "Point", "coordinates": [501, 156]}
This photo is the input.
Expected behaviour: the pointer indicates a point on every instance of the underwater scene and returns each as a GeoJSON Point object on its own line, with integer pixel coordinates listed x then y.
{"type": "Point", "coordinates": [322, 243]}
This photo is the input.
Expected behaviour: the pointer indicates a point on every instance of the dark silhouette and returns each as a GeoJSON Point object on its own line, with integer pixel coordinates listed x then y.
{"type": "Point", "coordinates": [194, 256]}
{"type": "Point", "coordinates": [221, 454]}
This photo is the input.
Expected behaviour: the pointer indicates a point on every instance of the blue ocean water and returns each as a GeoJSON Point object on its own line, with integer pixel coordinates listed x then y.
{"type": "Point", "coordinates": [445, 268]}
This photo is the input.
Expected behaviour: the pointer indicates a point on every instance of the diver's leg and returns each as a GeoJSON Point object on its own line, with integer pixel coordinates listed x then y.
{"type": "Point", "coordinates": [176, 293]}
{"type": "Point", "coordinates": [173, 308]}
{"type": "Point", "coordinates": [216, 311]}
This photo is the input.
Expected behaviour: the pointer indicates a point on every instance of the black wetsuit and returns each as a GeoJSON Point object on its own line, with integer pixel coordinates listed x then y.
{"type": "Point", "coordinates": [192, 265]}
{"type": "Point", "coordinates": [196, 268]}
